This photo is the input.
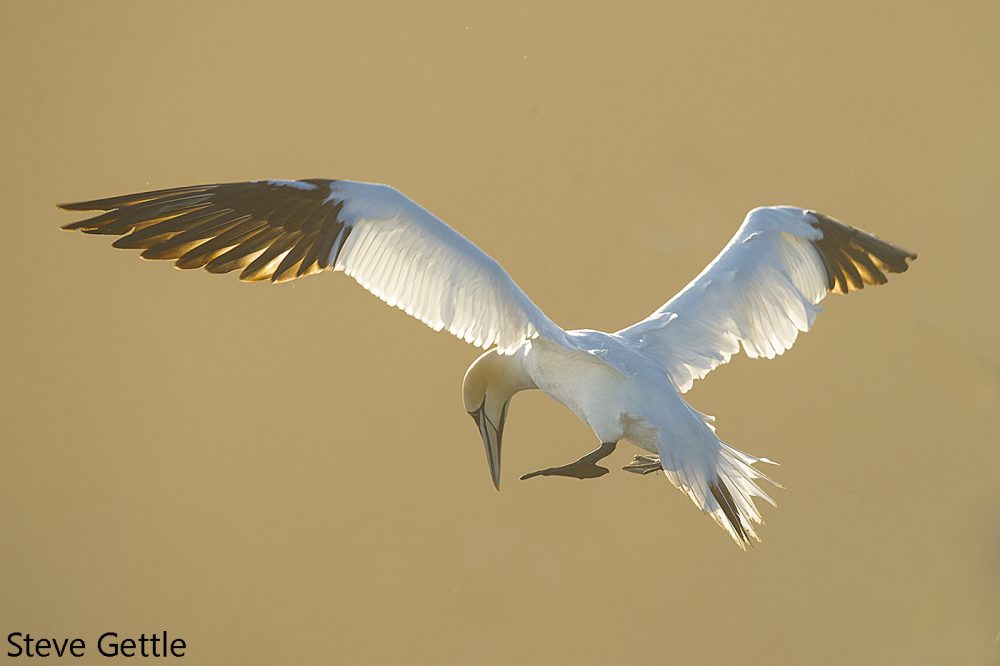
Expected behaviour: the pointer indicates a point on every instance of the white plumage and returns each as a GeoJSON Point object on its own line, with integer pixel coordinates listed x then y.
{"type": "Point", "coordinates": [415, 262]}
{"type": "Point", "coordinates": [758, 294]}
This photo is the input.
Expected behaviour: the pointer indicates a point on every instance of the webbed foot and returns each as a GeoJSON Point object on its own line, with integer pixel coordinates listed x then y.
{"type": "Point", "coordinates": [584, 468]}
{"type": "Point", "coordinates": [644, 465]}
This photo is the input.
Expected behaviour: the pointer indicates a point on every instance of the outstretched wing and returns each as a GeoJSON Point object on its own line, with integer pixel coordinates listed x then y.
{"type": "Point", "coordinates": [761, 290]}
{"type": "Point", "coordinates": [282, 230]}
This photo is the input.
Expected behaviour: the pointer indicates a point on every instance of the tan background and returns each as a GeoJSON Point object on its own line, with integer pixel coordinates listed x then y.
{"type": "Point", "coordinates": [286, 475]}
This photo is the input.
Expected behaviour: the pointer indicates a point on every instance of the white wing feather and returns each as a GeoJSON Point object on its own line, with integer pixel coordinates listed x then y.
{"type": "Point", "coordinates": [410, 259]}
{"type": "Point", "coordinates": [762, 290]}
{"type": "Point", "coordinates": [759, 292]}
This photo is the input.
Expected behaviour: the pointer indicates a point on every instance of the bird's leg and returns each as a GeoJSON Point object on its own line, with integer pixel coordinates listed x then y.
{"type": "Point", "coordinates": [584, 468]}
{"type": "Point", "coordinates": [644, 465]}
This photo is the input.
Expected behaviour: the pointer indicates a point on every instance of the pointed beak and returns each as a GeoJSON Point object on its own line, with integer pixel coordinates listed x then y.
{"type": "Point", "coordinates": [492, 434]}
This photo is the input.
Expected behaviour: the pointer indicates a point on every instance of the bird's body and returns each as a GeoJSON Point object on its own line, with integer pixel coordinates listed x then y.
{"type": "Point", "coordinates": [593, 389]}
{"type": "Point", "coordinates": [758, 294]}
{"type": "Point", "coordinates": [611, 387]}
{"type": "Point", "coordinates": [623, 395]}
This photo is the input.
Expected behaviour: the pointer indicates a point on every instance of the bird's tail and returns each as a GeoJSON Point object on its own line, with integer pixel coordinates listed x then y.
{"type": "Point", "coordinates": [719, 479]}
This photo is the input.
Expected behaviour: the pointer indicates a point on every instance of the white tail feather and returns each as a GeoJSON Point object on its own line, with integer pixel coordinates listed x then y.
{"type": "Point", "coordinates": [719, 479]}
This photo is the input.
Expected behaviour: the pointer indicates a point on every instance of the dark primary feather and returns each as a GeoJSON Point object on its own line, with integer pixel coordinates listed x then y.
{"type": "Point", "coordinates": [268, 230]}
{"type": "Point", "coordinates": [853, 258]}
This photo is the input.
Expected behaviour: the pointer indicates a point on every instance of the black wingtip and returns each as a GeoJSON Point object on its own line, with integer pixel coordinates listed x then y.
{"type": "Point", "coordinates": [80, 205]}
{"type": "Point", "coordinates": [854, 258]}
{"type": "Point", "coordinates": [78, 225]}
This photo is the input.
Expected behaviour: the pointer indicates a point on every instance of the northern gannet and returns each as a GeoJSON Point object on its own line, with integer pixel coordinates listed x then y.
{"type": "Point", "coordinates": [758, 293]}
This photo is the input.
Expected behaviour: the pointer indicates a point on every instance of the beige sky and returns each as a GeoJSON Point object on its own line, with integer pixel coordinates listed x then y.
{"type": "Point", "coordinates": [286, 475]}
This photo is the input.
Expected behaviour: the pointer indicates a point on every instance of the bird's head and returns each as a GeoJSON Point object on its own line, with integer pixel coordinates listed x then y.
{"type": "Point", "coordinates": [490, 383]}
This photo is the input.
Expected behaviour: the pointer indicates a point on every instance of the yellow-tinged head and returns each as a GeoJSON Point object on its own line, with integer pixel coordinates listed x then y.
{"type": "Point", "coordinates": [490, 382]}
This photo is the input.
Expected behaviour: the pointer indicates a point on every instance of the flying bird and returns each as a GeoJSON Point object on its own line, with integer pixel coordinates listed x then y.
{"type": "Point", "coordinates": [762, 289]}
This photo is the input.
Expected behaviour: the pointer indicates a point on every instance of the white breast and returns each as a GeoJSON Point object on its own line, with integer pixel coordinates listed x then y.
{"type": "Point", "coordinates": [596, 392]}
